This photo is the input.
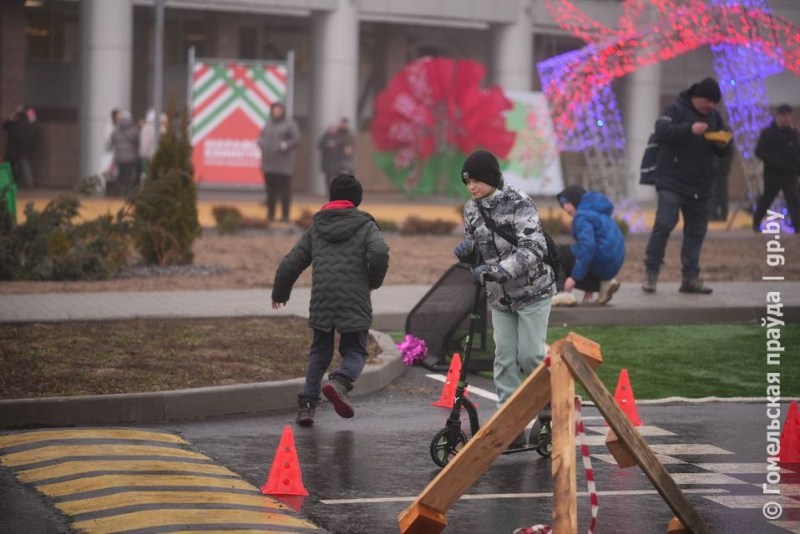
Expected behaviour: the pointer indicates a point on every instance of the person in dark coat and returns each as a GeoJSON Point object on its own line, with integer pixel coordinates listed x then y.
{"type": "Point", "coordinates": [336, 148]}
{"type": "Point", "coordinates": [684, 180]}
{"type": "Point", "coordinates": [23, 139]}
{"type": "Point", "coordinates": [594, 260]}
{"type": "Point", "coordinates": [278, 142]}
{"type": "Point", "coordinates": [779, 148]}
{"type": "Point", "coordinates": [125, 141]}
{"type": "Point", "coordinates": [348, 259]}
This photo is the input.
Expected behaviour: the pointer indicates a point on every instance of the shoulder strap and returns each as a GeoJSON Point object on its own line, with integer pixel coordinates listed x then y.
{"type": "Point", "coordinates": [491, 225]}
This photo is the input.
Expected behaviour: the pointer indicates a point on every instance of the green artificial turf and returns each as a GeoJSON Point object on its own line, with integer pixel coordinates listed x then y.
{"type": "Point", "coordinates": [689, 360]}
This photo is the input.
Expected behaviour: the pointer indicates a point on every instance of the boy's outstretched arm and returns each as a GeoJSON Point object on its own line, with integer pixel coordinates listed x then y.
{"type": "Point", "coordinates": [292, 265]}
{"type": "Point", "coordinates": [377, 257]}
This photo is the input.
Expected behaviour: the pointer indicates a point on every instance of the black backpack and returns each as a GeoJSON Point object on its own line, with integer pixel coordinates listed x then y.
{"type": "Point", "coordinates": [550, 255]}
{"type": "Point", "coordinates": [647, 169]}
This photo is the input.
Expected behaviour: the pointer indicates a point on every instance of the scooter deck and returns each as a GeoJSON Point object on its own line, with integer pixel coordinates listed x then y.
{"type": "Point", "coordinates": [520, 449]}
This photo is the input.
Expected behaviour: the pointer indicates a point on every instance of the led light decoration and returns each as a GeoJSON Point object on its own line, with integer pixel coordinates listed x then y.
{"type": "Point", "coordinates": [577, 84]}
{"type": "Point", "coordinates": [741, 71]}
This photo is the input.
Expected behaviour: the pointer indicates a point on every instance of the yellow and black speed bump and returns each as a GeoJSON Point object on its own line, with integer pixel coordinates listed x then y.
{"type": "Point", "coordinates": [140, 482]}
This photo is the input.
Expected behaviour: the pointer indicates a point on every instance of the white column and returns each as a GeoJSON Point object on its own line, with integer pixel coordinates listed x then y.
{"type": "Point", "coordinates": [334, 78]}
{"type": "Point", "coordinates": [642, 106]}
{"type": "Point", "coordinates": [106, 72]}
{"type": "Point", "coordinates": [513, 51]}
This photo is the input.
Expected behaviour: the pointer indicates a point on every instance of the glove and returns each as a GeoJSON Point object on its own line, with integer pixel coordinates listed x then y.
{"type": "Point", "coordinates": [464, 250]}
{"type": "Point", "coordinates": [492, 273]}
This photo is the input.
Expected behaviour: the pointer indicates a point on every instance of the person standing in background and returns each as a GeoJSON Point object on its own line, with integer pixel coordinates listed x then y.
{"type": "Point", "coordinates": [126, 152]}
{"type": "Point", "coordinates": [779, 148]}
{"type": "Point", "coordinates": [684, 180]}
{"type": "Point", "coordinates": [23, 140]}
{"type": "Point", "coordinates": [278, 142]}
{"type": "Point", "coordinates": [147, 139]}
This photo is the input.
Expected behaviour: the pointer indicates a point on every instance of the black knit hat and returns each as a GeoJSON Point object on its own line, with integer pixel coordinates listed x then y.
{"type": "Point", "coordinates": [708, 88]}
{"type": "Point", "coordinates": [483, 166]}
{"type": "Point", "coordinates": [346, 187]}
{"type": "Point", "coordinates": [572, 194]}
{"type": "Point", "coordinates": [784, 108]}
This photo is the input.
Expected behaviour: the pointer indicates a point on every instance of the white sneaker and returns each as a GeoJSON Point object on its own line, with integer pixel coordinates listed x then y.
{"type": "Point", "coordinates": [564, 299]}
{"type": "Point", "coordinates": [607, 290]}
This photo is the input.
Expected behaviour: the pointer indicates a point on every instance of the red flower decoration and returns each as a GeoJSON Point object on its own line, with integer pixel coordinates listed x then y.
{"type": "Point", "coordinates": [434, 106]}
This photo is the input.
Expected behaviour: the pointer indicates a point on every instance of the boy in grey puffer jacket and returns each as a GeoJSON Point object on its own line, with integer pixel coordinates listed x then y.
{"type": "Point", "coordinates": [348, 259]}
{"type": "Point", "coordinates": [519, 284]}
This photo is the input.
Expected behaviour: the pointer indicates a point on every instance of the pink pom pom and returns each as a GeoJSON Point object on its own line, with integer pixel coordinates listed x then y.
{"type": "Point", "coordinates": [413, 349]}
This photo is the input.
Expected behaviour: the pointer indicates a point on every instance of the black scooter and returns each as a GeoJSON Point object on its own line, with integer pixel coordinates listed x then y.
{"type": "Point", "coordinates": [449, 440]}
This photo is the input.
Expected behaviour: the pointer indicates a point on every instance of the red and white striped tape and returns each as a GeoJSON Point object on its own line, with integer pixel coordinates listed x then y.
{"type": "Point", "coordinates": [580, 432]}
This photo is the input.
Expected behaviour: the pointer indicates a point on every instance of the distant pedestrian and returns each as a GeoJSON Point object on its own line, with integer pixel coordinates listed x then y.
{"type": "Point", "coordinates": [125, 140]}
{"type": "Point", "coordinates": [348, 259]}
{"type": "Point", "coordinates": [684, 175]}
{"type": "Point", "coordinates": [107, 169]}
{"type": "Point", "coordinates": [592, 263]}
{"type": "Point", "coordinates": [278, 142]}
{"type": "Point", "coordinates": [22, 142]}
{"type": "Point", "coordinates": [779, 148]}
{"type": "Point", "coordinates": [147, 138]}
{"type": "Point", "coordinates": [336, 148]}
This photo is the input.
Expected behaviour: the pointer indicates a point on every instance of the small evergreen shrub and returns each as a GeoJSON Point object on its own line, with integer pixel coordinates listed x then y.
{"type": "Point", "coordinates": [228, 218]}
{"type": "Point", "coordinates": [50, 245]}
{"type": "Point", "coordinates": [165, 208]}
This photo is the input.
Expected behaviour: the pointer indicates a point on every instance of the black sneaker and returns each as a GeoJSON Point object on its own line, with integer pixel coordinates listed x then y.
{"type": "Point", "coordinates": [337, 394]}
{"type": "Point", "coordinates": [695, 286]}
{"type": "Point", "coordinates": [305, 415]}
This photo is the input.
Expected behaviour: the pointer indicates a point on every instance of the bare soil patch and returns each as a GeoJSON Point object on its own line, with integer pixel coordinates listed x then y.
{"type": "Point", "coordinates": [249, 261]}
{"type": "Point", "coordinates": [87, 358]}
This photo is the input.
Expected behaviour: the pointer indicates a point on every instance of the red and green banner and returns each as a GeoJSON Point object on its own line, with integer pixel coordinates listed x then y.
{"type": "Point", "coordinates": [230, 105]}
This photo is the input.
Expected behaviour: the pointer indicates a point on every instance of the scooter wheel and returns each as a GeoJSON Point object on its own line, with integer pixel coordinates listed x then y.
{"type": "Point", "coordinates": [444, 447]}
{"type": "Point", "coordinates": [544, 444]}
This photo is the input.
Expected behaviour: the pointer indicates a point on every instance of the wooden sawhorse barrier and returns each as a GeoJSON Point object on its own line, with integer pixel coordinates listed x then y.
{"type": "Point", "coordinates": [572, 357]}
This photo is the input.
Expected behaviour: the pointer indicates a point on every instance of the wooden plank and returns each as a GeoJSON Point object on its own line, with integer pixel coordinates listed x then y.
{"type": "Point", "coordinates": [676, 527]}
{"type": "Point", "coordinates": [634, 442]}
{"type": "Point", "coordinates": [421, 519]}
{"type": "Point", "coordinates": [565, 485]}
{"type": "Point", "coordinates": [478, 454]}
{"type": "Point", "coordinates": [618, 451]}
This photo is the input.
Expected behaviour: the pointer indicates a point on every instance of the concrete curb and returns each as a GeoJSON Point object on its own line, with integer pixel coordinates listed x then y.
{"type": "Point", "coordinates": [165, 406]}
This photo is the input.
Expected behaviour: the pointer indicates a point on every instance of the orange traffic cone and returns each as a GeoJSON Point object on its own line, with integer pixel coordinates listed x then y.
{"type": "Point", "coordinates": [790, 437]}
{"type": "Point", "coordinates": [284, 475]}
{"type": "Point", "coordinates": [448, 396]}
{"type": "Point", "coordinates": [625, 400]}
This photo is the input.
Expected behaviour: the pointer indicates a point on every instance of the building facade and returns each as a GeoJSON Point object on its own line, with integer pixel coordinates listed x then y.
{"type": "Point", "coordinates": [75, 61]}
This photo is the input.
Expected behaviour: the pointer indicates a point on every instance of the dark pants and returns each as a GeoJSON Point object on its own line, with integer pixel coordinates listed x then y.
{"type": "Point", "coordinates": [127, 176]}
{"type": "Point", "coordinates": [566, 260]}
{"type": "Point", "coordinates": [352, 347]}
{"type": "Point", "coordinates": [772, 186]}
{"type": "Point", "coordinates": [695, 225]}
{"type": "Point", "coordinates": [21, 171]}
{"type": "Point", "coordinates": [278, 186]}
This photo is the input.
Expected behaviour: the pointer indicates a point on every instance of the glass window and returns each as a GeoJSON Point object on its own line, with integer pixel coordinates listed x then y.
{"type": "Point", "coordinates": [52, 30]}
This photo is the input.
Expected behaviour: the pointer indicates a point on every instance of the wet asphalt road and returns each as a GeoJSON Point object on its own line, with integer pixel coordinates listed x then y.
{"type": "Point", "coordinates": [383, 453]}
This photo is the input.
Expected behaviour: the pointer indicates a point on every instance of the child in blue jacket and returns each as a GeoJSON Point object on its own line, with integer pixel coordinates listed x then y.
{"type": "Point", "coordinates": [594, 260]}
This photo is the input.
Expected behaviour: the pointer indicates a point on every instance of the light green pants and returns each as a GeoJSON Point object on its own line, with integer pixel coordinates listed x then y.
{"type": "Point", "coordinates": [519, 340]}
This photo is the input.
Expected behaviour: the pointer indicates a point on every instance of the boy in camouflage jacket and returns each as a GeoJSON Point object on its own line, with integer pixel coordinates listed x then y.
{"type": "Point", "coordinates": [519, 284]}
